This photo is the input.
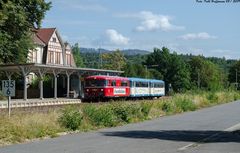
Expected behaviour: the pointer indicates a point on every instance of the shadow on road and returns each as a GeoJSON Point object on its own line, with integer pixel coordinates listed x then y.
{"type": "Point", "coordinates": [175, 135]}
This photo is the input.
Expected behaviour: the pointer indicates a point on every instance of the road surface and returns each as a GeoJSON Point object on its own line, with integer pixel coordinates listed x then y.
{"type": "Point", "coordinates": [210, 130]}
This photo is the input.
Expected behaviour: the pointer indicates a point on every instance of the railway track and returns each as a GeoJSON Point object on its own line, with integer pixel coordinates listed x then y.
{"type": "Point", "coordinates": [36, 105]}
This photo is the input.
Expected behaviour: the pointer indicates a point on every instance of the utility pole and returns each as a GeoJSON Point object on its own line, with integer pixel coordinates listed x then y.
{"type": "Point", "coordinates": [146, 69]}
{"type": "Point", "coordinates": [99, 58]}
{"type": "Point", "coordinates": [198, 78]}
{"type": "Point", "coordinates": [236, 78]}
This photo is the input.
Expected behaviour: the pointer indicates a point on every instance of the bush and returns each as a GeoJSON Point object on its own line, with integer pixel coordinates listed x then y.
{"type": "Point", "coordinates": [101, 116]}
{"type": "Point", "coordinates": [134, 112]}
{"type": "Point", "coordinates": [185, 104]}
{"type": "Point", "coordinates": [122, 112]}
{"type": "Point", "coordinates": [89, 110]}
{"type": "Point", "coordinates": [212, 97]}
{"type": "Point", "coordinates": [167, 107]}
{"type": "Point", "coordinates": [71, 118]}
{"type": "Point", "coordinates": [145, 108]}
{"type": "Point", "coordinates": [236, 96]}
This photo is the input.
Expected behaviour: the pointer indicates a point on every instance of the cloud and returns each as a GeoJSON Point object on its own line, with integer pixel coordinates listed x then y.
{"type": "Point", "coordinates": [152, 22]}
{"type": "Point", "coordinates": [194, 36]}
{"type": "Point", "coordinates": [116, 38]}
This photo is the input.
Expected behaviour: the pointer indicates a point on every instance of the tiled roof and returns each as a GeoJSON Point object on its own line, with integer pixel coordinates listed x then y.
{"type": "Point", "coordinates": [38, 41]}
{"type": "Point", "coordinates": [45, 34]}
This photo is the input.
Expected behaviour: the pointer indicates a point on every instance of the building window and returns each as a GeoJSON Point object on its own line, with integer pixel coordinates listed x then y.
{"type": "Point", "coordinates": [32, 56]}
{"type": "Point", "coordinates": [68, 59]}
{"type": "Point", "coordinates": [50, 57]}
{"type": "Point", "coordinates": [54, 39]}
{"type": "Point", "coordinates": [57, 59]}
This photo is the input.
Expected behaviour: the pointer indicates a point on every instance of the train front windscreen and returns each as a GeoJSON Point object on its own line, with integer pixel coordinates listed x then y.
{"type": "Point", "coordinates": [95, 83]}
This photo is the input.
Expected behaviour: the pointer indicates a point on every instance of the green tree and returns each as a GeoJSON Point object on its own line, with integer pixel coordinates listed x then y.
{"type": "Point", "coordinates": [178, 73]}
{"type": "Point", "coordinates": [18, 18]}
{"type": "Point", "coordinates": [171, 66]}
{"type": "Point", "coordinates": [129, 70]}
{"type": "Point", "coordinates": [114, 60]}
{"type": "Point", "coordinates": [196, 66]}
{"type": "Point", "coordinates": [77, 55]}
{"type": "Point", "coordinates": [234, 72]}
{"type": "Point", "coordinates": [155, 74]}
{"type": "Point", "coordinates": [90, 59]}
{"type": "Point", "coordinates": [137, 70]}
{"type": "Point", "coordinates": [206, 74]}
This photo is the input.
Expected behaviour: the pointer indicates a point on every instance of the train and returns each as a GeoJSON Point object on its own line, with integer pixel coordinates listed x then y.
{"type": "Point", "coordinates": [102, 88]}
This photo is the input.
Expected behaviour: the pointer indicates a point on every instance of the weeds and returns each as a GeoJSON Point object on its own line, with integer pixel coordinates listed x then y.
{"type": "Point", "coordinates": [90, 116]}
{"type": "Point", "coordinates": [122, 112]}
{"type": "Point", "coordinates": [167, 107]}
{"type": "Point", "coordinates": [101, 116]}
{"type": "Point", "coordinates": [145, 108]}
{"type": "Point", "coordinates": [185, 104]}
{"type": "Point", "coordinates": [71, 118]}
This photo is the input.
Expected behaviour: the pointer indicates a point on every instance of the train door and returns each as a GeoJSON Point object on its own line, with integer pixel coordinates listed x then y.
{"type": "Point", "coordinates": [134, 88]}
{"type": "Point", "coordinates": [149, 88]}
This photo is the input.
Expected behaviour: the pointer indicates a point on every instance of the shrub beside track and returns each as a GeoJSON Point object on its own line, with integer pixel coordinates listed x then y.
{"type": "Point", "coordinates": [26, 126]}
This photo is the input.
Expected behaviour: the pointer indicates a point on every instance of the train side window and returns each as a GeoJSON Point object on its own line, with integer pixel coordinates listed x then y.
{"type": "Point", "coordinates": [124, 83]}
{"type": "Point", "coordinates": [113, 83]}
{"type": "Point", "coordinates": [161, 85]}
{"type": "Point", "coordinates": [138, 84]}
{"type": "Point", "coordinates": [158, 85]}
{"type": "Point", "coordinates": [144, 84]}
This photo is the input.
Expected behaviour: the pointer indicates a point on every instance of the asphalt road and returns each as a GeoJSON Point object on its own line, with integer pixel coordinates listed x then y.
{"type": "Point", "coordinates": [208, 130]}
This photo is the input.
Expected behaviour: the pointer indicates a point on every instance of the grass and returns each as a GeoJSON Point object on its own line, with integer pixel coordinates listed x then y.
{"type": "Point", "coordinates": [22, 127]}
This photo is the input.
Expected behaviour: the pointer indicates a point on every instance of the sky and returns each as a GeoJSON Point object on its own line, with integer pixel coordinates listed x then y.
{"type": "Point", "coordinates": [198, 27]}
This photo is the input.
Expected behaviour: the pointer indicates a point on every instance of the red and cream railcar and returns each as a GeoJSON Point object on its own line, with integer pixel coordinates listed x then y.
{"type": "Point", "coordinates": [105, 87]}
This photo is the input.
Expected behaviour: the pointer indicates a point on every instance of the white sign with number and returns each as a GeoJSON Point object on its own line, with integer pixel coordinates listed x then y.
{"type": "Point", "coordinates": [8, 87]}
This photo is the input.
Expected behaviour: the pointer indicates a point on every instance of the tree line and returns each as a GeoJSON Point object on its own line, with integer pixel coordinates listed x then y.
{"type": "Point", "coordinates": [180, 72]}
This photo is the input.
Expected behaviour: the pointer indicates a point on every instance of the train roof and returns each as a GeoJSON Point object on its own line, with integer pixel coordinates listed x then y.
{"type": "Point", "coordinates": [145, 80]}
{"type": "Point", "coordinates": [106, 77]}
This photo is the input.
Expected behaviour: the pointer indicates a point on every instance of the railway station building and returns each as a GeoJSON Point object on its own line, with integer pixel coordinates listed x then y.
{"type": "Point", "coordinates": [52, 64]}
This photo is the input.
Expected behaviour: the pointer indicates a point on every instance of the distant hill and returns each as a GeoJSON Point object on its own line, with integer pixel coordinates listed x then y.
{"type": "Point", "coordinates": [93, 50]}
{"type": "Point", "coordinates": [128, 52]}
{"type": "Point", "coordinates": [135, 52]}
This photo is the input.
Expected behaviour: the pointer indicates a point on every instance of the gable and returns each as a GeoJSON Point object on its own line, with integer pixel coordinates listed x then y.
{"type": "Point", "coordinates": [55, 41]}
{"type": "Point", "coordinates": [45, 34]}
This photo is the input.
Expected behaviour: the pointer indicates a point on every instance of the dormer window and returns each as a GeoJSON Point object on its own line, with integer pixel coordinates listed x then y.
{"type": "Point", "coordinates": [54, 40]}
